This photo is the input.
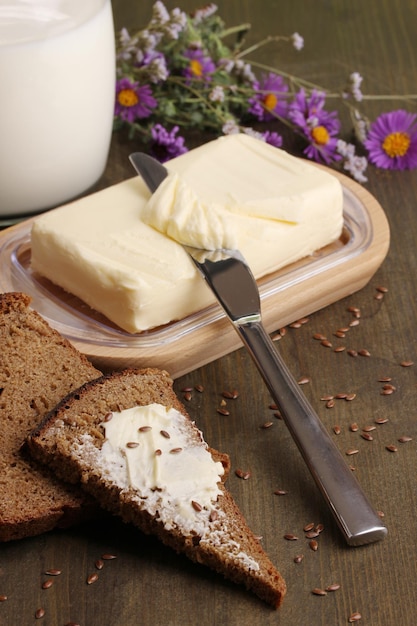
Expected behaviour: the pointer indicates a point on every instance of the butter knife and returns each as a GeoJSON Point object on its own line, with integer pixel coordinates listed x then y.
{"type": "Point", "coordinates": [231, 280]}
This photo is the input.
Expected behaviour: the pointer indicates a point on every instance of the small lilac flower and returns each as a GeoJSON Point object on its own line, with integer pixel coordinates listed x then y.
{"type": "Point", "coordinates": [166, 144]}
{"type": "Point", "coordinates": [352, 163]}
{"type": "Point", "coordinates": [353, 87]}
{"type": "Point", "coordinates": [392, 141]}
{"type": "Point", "coordinates": [230, 127]}
{"type": "Point", "coordinates": [217, 94]}
{"type": "Point", "coordinates": [273, 138]}
{"type": "Point", "coordinates": [320, 127]}
{"type": "Point", "coordinates": [270, 98]}
{"type": "Point", "coordinates": [297, 41]}
{"type": "Point", "coordinates": [133, 101]}
{"type": "Point", "coordinates": [200, 67]}
{"type": "Point", "coordinates": [205, 12]}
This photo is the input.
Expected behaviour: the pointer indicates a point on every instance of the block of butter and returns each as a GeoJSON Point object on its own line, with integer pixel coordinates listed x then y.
{"type": "Point", "coordinates": [275, 208]}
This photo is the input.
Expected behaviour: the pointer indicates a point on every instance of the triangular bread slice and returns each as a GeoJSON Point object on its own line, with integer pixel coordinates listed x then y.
{"type": "Point", "coordinates": [38, 367]}
{"type": "Point", "coordinates": [74, 439]}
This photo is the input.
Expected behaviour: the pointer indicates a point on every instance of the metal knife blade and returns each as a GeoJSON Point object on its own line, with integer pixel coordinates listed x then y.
{"type": "Point", "coordinates": [235, 288]}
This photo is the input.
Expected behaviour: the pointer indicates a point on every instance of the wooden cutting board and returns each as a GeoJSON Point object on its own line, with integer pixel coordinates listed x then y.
{"type": "Point", "coordinates": [288, 295]}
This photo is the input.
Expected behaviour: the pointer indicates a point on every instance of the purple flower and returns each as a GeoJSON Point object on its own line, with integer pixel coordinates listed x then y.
{"type": "Point", "coordinates": [133, 101]}
{"type": "Point", "coordinates": [392, 141]}
{"type": "Point", "coordinates": [200, 67]}
{"type": "Point", "coordinates": [320, 127]}
{"type": "Point", "coordinates": [166, 145]}
{"type": "Point", "coordinates": [273, 138]}
{"type": "Point", "coordinates": [270, 98]}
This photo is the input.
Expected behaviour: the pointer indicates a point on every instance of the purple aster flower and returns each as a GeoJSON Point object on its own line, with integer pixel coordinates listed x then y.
{"type": "Point", "coordinates": [200, 67]}
{"type": "Point", "coordinates": [133, 101]}
{"type": "Point", "coordinates": [392, 141]}
{"type": "Point", "coordinates": [273, 138]}
{"type": "Point", "coordinates": [320, 127]}
{"type": "Point", "coordinates": [270, 98]}
{"type": "Point", "coordinates": [166, 144]}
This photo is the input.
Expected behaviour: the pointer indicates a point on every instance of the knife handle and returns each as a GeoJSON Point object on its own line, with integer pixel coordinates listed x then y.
{"type": "Point", "coordinates": [355, 516]}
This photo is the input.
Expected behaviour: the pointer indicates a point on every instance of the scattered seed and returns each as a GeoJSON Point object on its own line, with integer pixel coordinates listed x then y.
{"type": "Point", "coordinates": [327, 397]}
{"type": "Point", "coordinates": [303, 380]}
{"type": "Point", "coordinates": [337, 430]}
{"type": "Point", "coordinates": [364, 352]}
{"type": "Point", "coordinates": [108, 557]}
{"type": "Point", "coordinates": [72, 624]}
{"type": "Point", "coordinates": [367, 436]}
{"type": "Point", "coordinates": [354, 617]}
{"type": "Point", "coordinates": [330, 404]}
{"type": "Point", "coordinates": [352, 451]}
{"type": "Point", "coordinates": [223, 411]}
{"type": "Point", "coordinates": [368, 429]}
{"type": "Point", "coordinates": [231, 395]}
{"type": "Point", "coordinates": [47, 584]}
{"type": "Point", "coordinates": [108, 417]}
{"type": "Point", "coordinates": [391, 448]}
{"type": "Point", "coordinates": [175, 450]}
{"type": "Point", "coordinates": [242, 474]}
{"type": "Point", "coordinates": [352, 353]}
{"type": "Point", "coordinates": [350, 397]}
{"type": "Point", "coordinates": [333, 587]}
{"type": "Point", "coordinates": [382, 289]}
{"type": "Point", "coordinates": [145, 429]}
{"type": "Point", "coordinates": [199, 388]}
{"type": "Point", "coordinates": [92, 578]}
{"type": "Point", "coordinates": [327, 344]}
{"type": "Point", "coordinates": [381, 420]}
{"type": "Point", "coordinates": [314, 545]}
{"type": "Point", "coordinates": [341, 396]}
{"type": "Point", "coordinates": [99, 564]}
{"type": "Point", "coordinates": [39, 613]}
{"type": "Point", "coordinates": [340, 334]}
{"type": "Point", "coordinates": [312, 534]}
{"type": "Point", "coordinates": [389, 386]}
{"type": "Point", "coordinates": [187, 396]}
{"type": "Point", "coordinates": [319, 592]}
{"type": "Point", "coordinates": [319, 337]}
{"type": "Point", "coordinates": [406, 363]}
{"type": "Point", "coordinates": [354, 323]}
{"type": "Point", "coordinates": [214, 515]}
{"type": "Point", "coordinates": [319, 528]}
{"type": "Point", "coordinates": [165, 434]}
{"type": "Point", "coordinates": [267, 424]}
{"type": "Point", "coordinates": [186, 389]}
{"type": "Point", "coordinates": [353, 309]}
{"type": "Point", "coordinates": [340, 349]}
{"type": "Point", "coordinates": [387, 392]}
{"type": "Point", "coordinates": [273, 407]}
{"type": "Point", "coordinates": [295, 325]}
{"type": "Point", "coordinates": [308, 527]}
{"type": "Point", "coordinates": [354, 428]}
{"type": "Point", "coordinates": [290, 537]}
{"type": "Point", "coordinates": [196, 506]}
{"type": "Point", "coordinates": [53, 572]}
{"type": "Point", "coordinates": [278, 415]}
{"type": "Point", "coordinates": [384, 379]}
{"type": "Point", "coordinates": [405, 439]}
{"type": "Point", "coordinates": [280, 492]}
{"type": "Point", "coordinates": [158, 452]}
{"type": "Point", "coordinates": [298, 558]}
{"type": "Point", "coordinates": [3, 598]}
{"type": "Point", "coordinates": [132, 444]}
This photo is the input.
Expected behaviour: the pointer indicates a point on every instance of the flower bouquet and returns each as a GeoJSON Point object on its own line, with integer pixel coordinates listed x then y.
{"type": "Point", "coordinates": [180, 73]}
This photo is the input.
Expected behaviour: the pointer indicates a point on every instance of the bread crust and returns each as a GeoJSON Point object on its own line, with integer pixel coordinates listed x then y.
{"type": "Point", "coordinates": [57, 442]}
{"type": "Point", "coordinates": [37, 368]}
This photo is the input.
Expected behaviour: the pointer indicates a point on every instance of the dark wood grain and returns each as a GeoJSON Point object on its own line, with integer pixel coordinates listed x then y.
{"type": "Point", "coordinates": [148, 584]}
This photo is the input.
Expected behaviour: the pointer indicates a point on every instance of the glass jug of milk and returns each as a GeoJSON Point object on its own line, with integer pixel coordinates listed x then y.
{"type": "Point", "coordinates": [57, 90]}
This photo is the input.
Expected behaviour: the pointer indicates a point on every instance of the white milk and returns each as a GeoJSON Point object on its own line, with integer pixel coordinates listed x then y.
{"type": "Point", "coordinates": [57, 90]}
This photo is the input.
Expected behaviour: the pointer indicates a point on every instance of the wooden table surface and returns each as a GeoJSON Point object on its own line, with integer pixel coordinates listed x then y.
{"type": "Point", "coordinates": [149, 585]}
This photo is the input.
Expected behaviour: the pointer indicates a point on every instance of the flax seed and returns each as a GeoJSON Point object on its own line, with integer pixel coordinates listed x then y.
{"type": "Point", "coordinates": [145, 429]}
{"type": "Point", "coordinates": [327, 344]}
{"type": "Point", "coordinates": [350, 397]}
{"type": "Point", "coordinates": [108, 557]}
{"type": "Point", "coordinates": [354, 617]}
{"type": "Point", "coordinates": [303, 380]}
{"type": "Point", "coordinates": [352, 451]}
{"type": "Point", "coordinates": [337, 430]}
{"type": "Point", "coordinates": [314, 545]}
{"type": "Point", "coordinates": [308, 527]}
{"type": "Point", "coordinates": [165, 434]}
{"type": "Point", "coordinates": [333, 587]}
{"type": "Point", "coordinates": [231, 395]}
{"type": "Point", "coordinates": [354, 323]}
{"type": "Point", "coordinates": [391, 448]}
{"type": "Point", "coordinates": [92, 578]}
{"type": "Point", "coordinates": [223, 411]}
{"type": "Point", "coordinates": [47, 584]}
{"type": "Point", "coordinates": [406, 363]}
{"type": "Point", "coordinates": [387, 392]}
{"type": "Point", "coordinates": [352, 353]}
{"type": "Point", "coordinates": [381, 420]}
{"type": "Point", "coordinates": [3, 597]}
{"type": "Point", "coordinates": [405, 439]}
{"type": "Point", "coordinates": [341, 396]}
{"type": "Point", "coordinates": [290, 537]}
{"type": "Point", "coordinates": [186, 389]}
{"type": "Point", "coordinates": [327, 397]}
{"type": "Point", "coordinates": [187, 396]}
{"type": "Point", "coordinates": [368, 429]}
{"type": "Point", "coordinates": [108, 417]}
{"type": "Point", "coordinates": [214, 515]}
{"type": "Point", "coordinates": [53, 572]}
{"type": "Point", "coordinates": [354, 428]}
{"type": "Point", "coordinates": [340, 349]}
{"type": "Point", "coordinates": [196, 506]}
{"type": "Point", "coordinates": [382, 289]}
{"type": "Point", "coordinates": [367, 436]}
{"type": "Point", "coordinates": [298, 558]}
{"type": "Point", "coordinates": [384, 379]}
{"type": "Point", "coordinates": [175, 450]}
{"type": "Point", "coordinates": [280, 492]}
{"type": "Point", "coordinates": [364, 352]}
{"type": "Point", "coordinates": [312, 534]}
{"type": "Point", "coordinates": [199, 388]}
{"type": "Point", "coordinates": [319, 528]}
{"type": "Point", "coordinates": [267, 424]}
{"type": "Point", "coordinates": [132, 444]}
{"type": "Point", "coordinates": [39, 613]}
{"type": "Point", "coordinates": [99, 564]}
{"type": "Point", "coordinates": [242, 474]}
{"type": "Point", "coordinates": [319, 337]}
{"type": "Point", "coordinates": [339, 334]}
{"type": "Point", "coordinates": [295, 325]}
{"type": "Point", "coordinates": [319, 592]}
{"type": "Point", "coordinates": [330, 404]}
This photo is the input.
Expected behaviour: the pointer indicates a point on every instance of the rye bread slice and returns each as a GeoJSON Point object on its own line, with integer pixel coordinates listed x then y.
{"type": "Point", "coordinates": [38, 367]}
{"type": "Point", "coordinates": [70, 440]}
